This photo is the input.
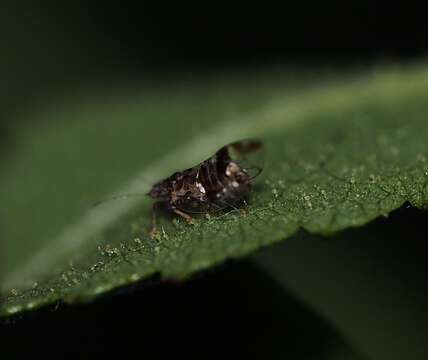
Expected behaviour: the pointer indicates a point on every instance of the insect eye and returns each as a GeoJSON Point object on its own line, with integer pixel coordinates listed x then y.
{"type": "Point", "coordinates": [241, 176]}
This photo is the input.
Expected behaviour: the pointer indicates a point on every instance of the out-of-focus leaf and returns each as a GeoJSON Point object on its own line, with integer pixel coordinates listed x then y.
{"type": "Point", "coordinates": [369, 283]}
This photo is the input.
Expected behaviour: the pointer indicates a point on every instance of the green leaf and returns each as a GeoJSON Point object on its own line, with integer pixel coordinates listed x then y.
{"type": "Point", "coordinates": [339, 154]}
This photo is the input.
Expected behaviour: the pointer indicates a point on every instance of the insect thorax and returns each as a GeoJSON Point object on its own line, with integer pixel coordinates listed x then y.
{"type": "Point", "coordinates": [217, 183]}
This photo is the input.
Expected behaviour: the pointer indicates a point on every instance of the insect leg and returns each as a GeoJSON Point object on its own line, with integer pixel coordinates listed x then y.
{"type": "Point", "coordinates": [187, 217]}
{"type": "Point", "coordinates": [154, 230]}
{"type": "Point", "coordinates": [240, 210]}
{"type": "Point", "coordinates": [154, 215]}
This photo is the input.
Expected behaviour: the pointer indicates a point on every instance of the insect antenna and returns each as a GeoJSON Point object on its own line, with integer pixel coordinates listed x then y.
{"type": "Point", "coordinates": [124, 196]}
{"type": "Point", "coordinates": [143, 180]}
{"type": "Point", "coordinates": [259, 170]}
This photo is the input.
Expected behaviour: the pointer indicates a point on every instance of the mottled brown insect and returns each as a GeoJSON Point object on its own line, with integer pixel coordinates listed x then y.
{"type": "Point", "coordinates": [223, 181]}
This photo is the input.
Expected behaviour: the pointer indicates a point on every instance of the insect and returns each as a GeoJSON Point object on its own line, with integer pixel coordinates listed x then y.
{"type": "Point", "coordinates": [222, 181]}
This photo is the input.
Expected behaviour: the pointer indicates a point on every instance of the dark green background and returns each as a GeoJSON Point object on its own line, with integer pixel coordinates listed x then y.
{"type": "Point", "coordinates": [49, 50]}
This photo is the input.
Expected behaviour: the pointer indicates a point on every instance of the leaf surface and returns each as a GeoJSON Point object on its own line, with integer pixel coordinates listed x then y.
{"type": "Point", "coordinates": [339, 155]}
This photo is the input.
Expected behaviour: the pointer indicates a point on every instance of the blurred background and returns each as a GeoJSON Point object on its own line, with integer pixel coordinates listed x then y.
{"type": "Point", "coordinates": [48, 48]}
{"type": "Point", "coordinates": [61, 63]}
